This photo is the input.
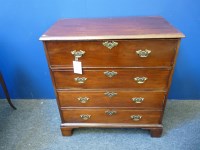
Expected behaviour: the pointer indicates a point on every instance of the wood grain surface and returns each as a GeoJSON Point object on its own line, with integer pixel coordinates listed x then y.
{"type": "Point", "coordinates": [97, 98]}
{"type": "Point", "coordinates": [123, 55]}
{"type": "Point", "coordinates": [121, 116]}
{"type": "Point", "coordinates": [157, 79]}
{"type": "Point", "coordinates": [111, 28]}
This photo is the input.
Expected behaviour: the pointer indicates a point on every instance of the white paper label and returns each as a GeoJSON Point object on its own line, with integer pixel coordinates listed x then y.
{"type": "Point", "coordinates": [77, 67]}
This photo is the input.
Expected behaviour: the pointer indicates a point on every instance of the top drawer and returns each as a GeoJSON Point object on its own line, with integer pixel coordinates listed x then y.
{"type": "Point", "coordinates": [124, 54]}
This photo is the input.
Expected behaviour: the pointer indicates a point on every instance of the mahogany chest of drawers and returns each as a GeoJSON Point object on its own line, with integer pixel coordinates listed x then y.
{"type": "Point", "coordinates": [127, 67]}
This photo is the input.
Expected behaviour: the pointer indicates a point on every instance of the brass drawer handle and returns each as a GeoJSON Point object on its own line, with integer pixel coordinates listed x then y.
{"type": "Point", "coordinates": [140, 80]}
{"type": "Point", "coordinates": [85, 116]}
{"type": "Point", "coordinates": [138, 99]}
{"type": "Point", "coordinates": [110, 74]}
{"type": "Point", "coordinates": [143, 53]}
{"type": "Point", "coordinates": [136, 117]}
{"type": "Point", "coordinates": [83, 99]}
{"type": "Point", "coordinates": [110, 94]}
{"type": "Point", "coordinates": [80, 80]}
{"type": "Point", "coordinates": [110, 44]}
{"type": "Point", "coordinates": [77, 54]}
{"type": "Point", "coordinates": [110, 112]}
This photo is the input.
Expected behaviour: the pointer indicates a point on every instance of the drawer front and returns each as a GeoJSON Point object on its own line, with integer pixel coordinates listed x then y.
{"type": "Point", "coordinates": [111, 116]}
{"type": "Point", "coordinates": [124, 54]}
{"type": "Point", "coordinates": [127, 78]}
{"type": "Point", "coordinates": [111, 98]}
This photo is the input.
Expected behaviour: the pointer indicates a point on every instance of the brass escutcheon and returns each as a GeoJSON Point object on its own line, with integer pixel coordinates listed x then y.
{"type": "Point", "coordinates": [80, 80]}
{"type": "Point", "coordinates": [110, 74]}
{"type": "Point", "coordinates": [77, 54]}
{"type": "Point", "coordinates": [110, 44]}
{"type": "Point", "coordinates": [138, 99]}
{"type": "Point", "coordinates": [140, 80]}
{"type": "Point", "coordinates": [110, 94]}
{"type": "Point", "coordinates": [85, 116]}
{"type": "Point", "coordinates": [110, 112]}
{"type": "Point", "coordinates": [136, 117]}
{"type": "Point", "coordinates": [143, 53]}
{"type": "Point", "coordinates": [83, 99]}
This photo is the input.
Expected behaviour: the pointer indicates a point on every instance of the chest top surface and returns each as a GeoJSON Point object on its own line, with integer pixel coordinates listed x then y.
{"type": "Point", "coordinates": [111, 28]}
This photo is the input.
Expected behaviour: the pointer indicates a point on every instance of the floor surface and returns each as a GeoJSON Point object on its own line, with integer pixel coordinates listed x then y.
{"type": "Point", "coordinates": [35, 126]}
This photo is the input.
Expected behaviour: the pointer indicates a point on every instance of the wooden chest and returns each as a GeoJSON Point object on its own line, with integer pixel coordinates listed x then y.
{"type": "Point", "coordinates": [127, 67]}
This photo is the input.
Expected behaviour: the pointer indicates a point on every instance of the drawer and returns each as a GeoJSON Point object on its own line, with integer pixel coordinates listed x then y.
{"type": "Point", "coordinates": [121, 78]}
{"type": "Point", "coordinates": [111, 116]}
{"type": "Point", "coordinates": [111, 98]}
{"type": "Point", "coordinates": [124, 54]}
